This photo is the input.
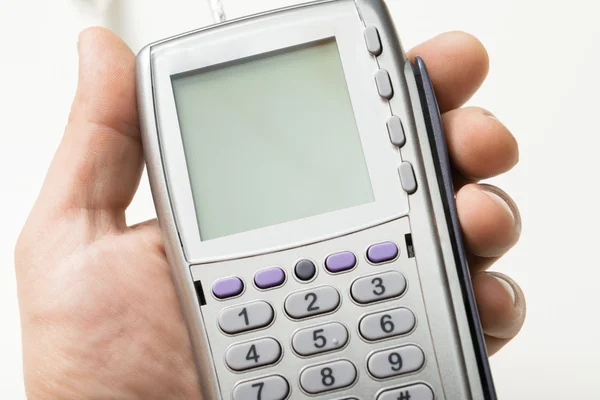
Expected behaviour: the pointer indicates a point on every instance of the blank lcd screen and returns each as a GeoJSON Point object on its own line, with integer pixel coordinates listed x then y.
{"type": "Point", "coordinates": [270, 139]}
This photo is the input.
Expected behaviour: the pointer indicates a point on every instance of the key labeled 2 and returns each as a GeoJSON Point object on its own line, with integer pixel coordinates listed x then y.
{"type": "Point", "coordinates": [308, 303]}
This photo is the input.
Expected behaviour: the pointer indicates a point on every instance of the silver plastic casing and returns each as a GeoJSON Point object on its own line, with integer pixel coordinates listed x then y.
{"type": "Point", "coordinates": [436, 295]}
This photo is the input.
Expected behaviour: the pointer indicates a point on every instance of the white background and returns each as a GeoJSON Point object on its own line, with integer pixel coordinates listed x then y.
{"type": "Point", "coordinates": [543, 84]}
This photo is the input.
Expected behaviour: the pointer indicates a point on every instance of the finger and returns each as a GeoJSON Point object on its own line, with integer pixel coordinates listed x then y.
{"type": "Point", "coordinates": [99, 161]}
{"type": "Point", "coordinates": [457, 64]}
{"type": "Point", "coordinates": [489, 219]}
{"type": "Point", "coordinates": [480, 146]}
{"type": "Point", "coordinates": [149, 232]}
{"type": "Point", "coordinates": [502, 309]}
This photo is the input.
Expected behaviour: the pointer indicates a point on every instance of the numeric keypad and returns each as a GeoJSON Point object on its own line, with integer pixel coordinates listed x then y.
{"type": "Point", "coordinates": [365, 290]}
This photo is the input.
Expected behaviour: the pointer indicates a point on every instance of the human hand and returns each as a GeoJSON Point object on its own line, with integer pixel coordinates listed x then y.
{"type": "Point", "coordinates": [99, 313]}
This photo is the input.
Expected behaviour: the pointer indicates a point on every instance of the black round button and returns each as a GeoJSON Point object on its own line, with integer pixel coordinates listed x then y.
{"type": "Point", "coordinates": [305, 270]}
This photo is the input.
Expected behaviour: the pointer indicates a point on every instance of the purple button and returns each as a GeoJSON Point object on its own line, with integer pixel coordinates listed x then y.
{"type": "Point", "coordinates": [269, 277]}
{"type": "Point", "coordinates": [227, 287]}
{"type": "Point", "coordinates": [382, 252]}
{"type": "Point", "coordinates": [339, 262]}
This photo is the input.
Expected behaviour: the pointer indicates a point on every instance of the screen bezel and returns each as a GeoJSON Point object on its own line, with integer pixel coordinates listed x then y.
{"type": "Point", "coordinates": [261, 36]}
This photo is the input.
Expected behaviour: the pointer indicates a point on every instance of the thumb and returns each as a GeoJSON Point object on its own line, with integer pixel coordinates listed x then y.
{"type": "Point", "coordinates": [99, 161]}
{"type": "Point", "coordinates": [98, 164]}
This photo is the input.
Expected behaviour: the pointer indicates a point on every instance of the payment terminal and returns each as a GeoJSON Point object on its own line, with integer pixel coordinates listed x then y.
{"type": "Point", "coordinates": [301, 180]}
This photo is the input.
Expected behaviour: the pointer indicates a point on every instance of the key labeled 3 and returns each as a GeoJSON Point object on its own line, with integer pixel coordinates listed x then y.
{"type": "Point", "coordinates": [378, 287]}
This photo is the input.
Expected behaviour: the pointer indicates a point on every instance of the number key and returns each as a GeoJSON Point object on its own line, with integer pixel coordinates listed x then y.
{"type": "Point", "coordinates": [244, 356]}
{"type": "Point", "coordinates": [326, 377]}
{"type": "Point", "coordinates": [319, 339]}
{"type": "Point", "coordinates": [386, 324]}
{"type": "Point", "coordinates": [393, 362]}
{"type": "Point", "coordinates": [246, 317]}
{"type": "Point", "coordinates": [378, 287]}
{"type": "Point", "coordinates": [272, 387]}
{"type": "Point", "coordinates": [316, 301]}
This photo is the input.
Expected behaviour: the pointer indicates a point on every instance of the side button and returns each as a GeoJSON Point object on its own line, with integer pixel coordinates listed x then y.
{"type": "Point", "coordinates": [396, 131]}
{"type": "Point", "coordinates": [372, 40]}
{"type": "Point", "coordinates": [384, 84]}
{"type": "Point", "coordinates": [407, 177]}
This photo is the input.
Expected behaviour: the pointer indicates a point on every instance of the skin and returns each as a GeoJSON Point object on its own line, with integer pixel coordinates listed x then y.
{"type": "Point", "coordinates": [94, 326]}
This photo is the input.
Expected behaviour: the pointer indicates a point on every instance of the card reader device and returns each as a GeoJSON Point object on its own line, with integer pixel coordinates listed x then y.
{"type": "Point", "coordinates": [302, 184]}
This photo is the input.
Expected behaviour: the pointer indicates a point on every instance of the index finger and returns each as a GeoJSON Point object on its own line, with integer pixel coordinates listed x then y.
{"type": "Point", "coordinates": [457, 64]}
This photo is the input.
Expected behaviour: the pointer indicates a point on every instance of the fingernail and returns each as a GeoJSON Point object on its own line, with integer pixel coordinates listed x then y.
{"type": "Point", "coordinates": [508, 288]}
{"type": "Point", "coordinates": [500, 201]}
{"type": "Point", "coordinates": [488, 114]}
{"type": "Point", "coordinates": [505, 202]}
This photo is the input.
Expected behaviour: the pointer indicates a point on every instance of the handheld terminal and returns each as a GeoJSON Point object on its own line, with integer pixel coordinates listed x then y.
{"type": "Point", "coordinates": [301, 180]}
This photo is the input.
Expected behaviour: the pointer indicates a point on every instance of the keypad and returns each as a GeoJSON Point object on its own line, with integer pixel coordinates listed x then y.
{"type": "Point", "coordinates": [397, 361]}
{"type": "Point", "coordinates": [246, 317]}
{"type": "Point", "coordinates": [386, 324]}
{"type": "Point", "coordinates": [254, 354]}
{"type": "Point", "coordinates": [378, 287]}
{"type": "Point", "coordinates": [326, 377]}
{"type": "Point", "coordinates": [272, 387]}
{"type": "Point", "coordinates": [308, 303]}
{"type": "Point", "coordinates": [412, 392]}
{"type": "Point", "coordinates": [320, 339]}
